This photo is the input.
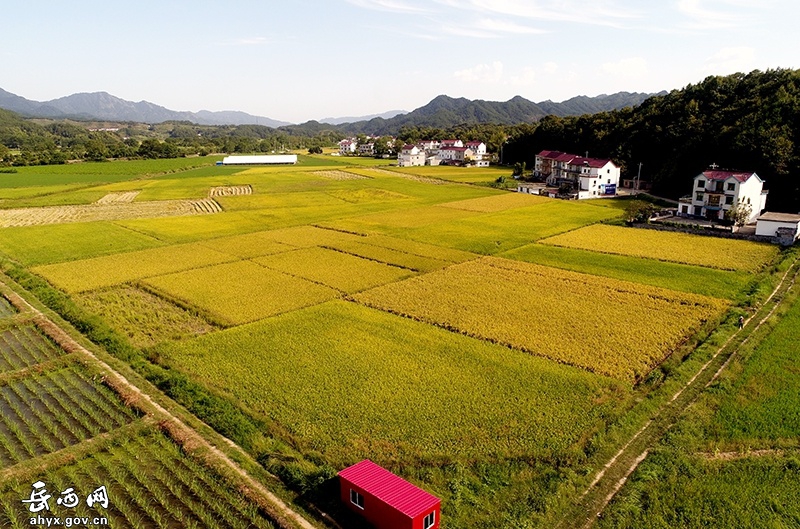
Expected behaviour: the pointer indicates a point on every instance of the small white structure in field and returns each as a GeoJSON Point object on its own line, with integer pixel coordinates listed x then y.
{"type": "Point", "coordinates": [769, 224]}
{"type": "Point", "coordinates": [261, 159]}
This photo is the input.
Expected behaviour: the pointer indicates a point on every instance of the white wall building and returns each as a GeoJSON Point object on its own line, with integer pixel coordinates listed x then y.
{"type": "Point", "coordinates": [769, 223]}
{"type": "Point", "coordinates": [714, 192]}
{"type": "Point", "coordinates": [410, 156]}
{"type": "Point", "coordinates": [261, 159]}
{"type": "Point", "coordinates": [590, 177]}
{"type": "Point", "coordinates": [347, 147]}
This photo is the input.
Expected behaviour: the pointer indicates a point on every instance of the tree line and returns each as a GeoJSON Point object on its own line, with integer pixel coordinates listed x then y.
{"type": "Point", "coordinates": [747, 122]}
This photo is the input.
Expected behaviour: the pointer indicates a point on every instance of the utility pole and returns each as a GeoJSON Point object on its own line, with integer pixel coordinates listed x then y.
{"type": "Point", "coordinates": [638, 178]}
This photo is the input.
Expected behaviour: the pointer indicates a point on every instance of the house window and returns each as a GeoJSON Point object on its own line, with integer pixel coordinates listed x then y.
{"type": "Point", "coordinates": [608, 181]}
{"type": "Point", "coordinates": [701, 183]}
{"type": "Point", "coordinates": [699, 196]}
{"type": "Point", "coordinates": [731, 186]}
{"type": "Point", "coordinates": [356, 499]}
{"type": "Point", "coordinates": [729, 200]}
{"type": "Point", "coordinates": [429, 520]}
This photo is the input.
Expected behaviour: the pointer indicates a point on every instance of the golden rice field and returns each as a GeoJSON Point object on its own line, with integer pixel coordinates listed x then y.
{"type": "Point", "coordinates": [724, 254]}
{"type": "Point", "coordinates": [239, 292]}
{"type": "Point", "coordinates": [607, 326]}
{"type": "Point", "coordinates": [339, 270]}
{"type": "Point", "coordinates": [495, 203]}
{"type": "Point", "coordinates": [122, 268]}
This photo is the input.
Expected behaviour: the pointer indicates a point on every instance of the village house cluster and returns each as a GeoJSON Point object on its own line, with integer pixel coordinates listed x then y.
{"type": "Point", "coordinates": [444, 152]}
{"type": "Point", "coordinates": [369, 146]}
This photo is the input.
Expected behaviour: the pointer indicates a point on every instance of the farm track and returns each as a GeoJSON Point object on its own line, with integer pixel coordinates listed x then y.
{"type": "Point", "coordinates": [615, 473]}
{"type": "Point", "coordinates": [79, 425]}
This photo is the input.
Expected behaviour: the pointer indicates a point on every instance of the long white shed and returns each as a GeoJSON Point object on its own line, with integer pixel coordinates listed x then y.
{"type": "Point", "coordinates": [260, 159]}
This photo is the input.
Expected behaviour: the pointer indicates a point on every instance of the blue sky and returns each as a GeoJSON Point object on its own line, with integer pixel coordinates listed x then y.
{"type": "Point", "coordinates": [307, 59]}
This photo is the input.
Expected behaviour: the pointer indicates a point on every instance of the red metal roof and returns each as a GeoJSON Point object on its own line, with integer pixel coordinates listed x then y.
{"type": "Point", "coordinates": [724, 175]}
{"type": "Point", "coordinates": [390, 488]}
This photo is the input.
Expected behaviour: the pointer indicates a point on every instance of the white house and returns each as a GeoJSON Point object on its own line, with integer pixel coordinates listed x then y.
{"type": "Point", "coordinates": [714, 192]}
{"type": "Point", "coordinates": [347, 146]}
{"type": "Point", "coordinates": [411, 155]}
{"type": "Point", "coordinates": [455, 154]}
{"type": "Point", "coordinates": [590, 177]}
{"type": "Point", "coordinates": [477, 147]}
{"type": "Point", "coordinates": [451, 143]}
{"type": "Point", "coordinates": [366, 149]}
{"type": "Point", "coordinates": [769, 223]}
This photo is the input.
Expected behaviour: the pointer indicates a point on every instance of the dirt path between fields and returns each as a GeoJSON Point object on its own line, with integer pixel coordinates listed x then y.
{"type": "Point", "coordinates": [615, 473]}
{"type": "Point", "coordinates": [186, 436]}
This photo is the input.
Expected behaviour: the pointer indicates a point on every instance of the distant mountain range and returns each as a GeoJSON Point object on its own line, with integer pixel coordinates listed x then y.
{"type": "Point", "coordinates": [352, 119]}
{"type": "Point", "coordinates": [106, 107]}
{"type": "Point", "coordinates": [445, 112]}
{"type": "Point", "coordinates": [441, 112]}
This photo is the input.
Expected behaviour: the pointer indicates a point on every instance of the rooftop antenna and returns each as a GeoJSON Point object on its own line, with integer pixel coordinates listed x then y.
{"type": "Point", "coordinates": [713, 166]}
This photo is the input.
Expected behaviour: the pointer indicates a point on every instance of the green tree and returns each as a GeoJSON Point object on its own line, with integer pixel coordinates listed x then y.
{"type": "Point", "coordinates": [739, 214]}
{"type": "Point", "coordinates": [639, 211]}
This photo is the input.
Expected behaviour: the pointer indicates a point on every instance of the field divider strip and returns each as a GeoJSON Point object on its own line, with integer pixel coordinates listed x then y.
{"type": "Point", "coordinates": [663, 418]}
{"type": "Point", "coordinates": [186, 436]}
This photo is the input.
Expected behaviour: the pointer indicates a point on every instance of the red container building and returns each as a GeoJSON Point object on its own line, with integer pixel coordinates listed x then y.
{"type": "Point", "coordinates": [388, 501]}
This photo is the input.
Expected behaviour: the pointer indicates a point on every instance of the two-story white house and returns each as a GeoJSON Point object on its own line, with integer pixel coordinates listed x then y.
{"type": "Point", "coordinates": [714, 192]}
{"type": "Point", "coordinates": [347, 146]}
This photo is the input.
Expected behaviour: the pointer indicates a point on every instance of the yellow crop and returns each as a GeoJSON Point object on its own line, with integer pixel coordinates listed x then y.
{"type": "Point", "coordinates": [725, 254]}
{"type": "Point", "coordinates": [605, 325]}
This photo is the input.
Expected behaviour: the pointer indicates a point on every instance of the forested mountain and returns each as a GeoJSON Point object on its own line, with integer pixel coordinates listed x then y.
{"type": "Point", "coordinates": [445, 112]}
{"type": "Point", "coordinates": [749, 122]}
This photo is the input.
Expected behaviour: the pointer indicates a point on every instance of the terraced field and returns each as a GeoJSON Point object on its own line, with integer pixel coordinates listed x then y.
{"type": "Point", "coordinates": [62, 426]}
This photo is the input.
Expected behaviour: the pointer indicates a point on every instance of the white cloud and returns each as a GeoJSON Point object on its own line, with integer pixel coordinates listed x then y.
{"type": "Point", "coordinates": [246, 41]}
{"type": "Point", "coordinates": [527, 77]}
{"type": "Point", "coordinates": [393, 6]}
{"type": "Point", "coordinates": [716, 14]}
{"type": "Point", "coordinates": [627, 67]}
{"type": "Point", "coordinates": [730, 60]}
{"type": "Point", "coordinates": [482, 73]}
{"type": "Point", "coordinates": [591, 12]}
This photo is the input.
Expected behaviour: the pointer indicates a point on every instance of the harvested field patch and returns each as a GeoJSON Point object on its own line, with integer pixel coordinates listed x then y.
{"type": "Point", "coordinates": [342, 271]}
{"type": "Point", "coordinates": [359, 196]}
{"type": "Point", "coordinates": [724, 254]}
{"type": "Point", "coordinates": [339, 175]}
{"type": "Point", "coordinates": [122, 268]}
{"type": "Point", "coordinates": [230, 191]}
{"type": "Point", "coordinates": [240, 292]}
{"type": "Point", "coordinates": [104, 211]}
{"type": "Point", "coordinates": [407, 176]}
{"type": "Point", "coordinates": [123, 197]}
{"type": "Point", "coordinates": [565, 316]}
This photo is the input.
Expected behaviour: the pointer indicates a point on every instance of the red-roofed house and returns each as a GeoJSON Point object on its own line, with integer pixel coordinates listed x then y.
{"type": "Point", "coordinates": [411, 155]}
{"type": "Point", "coordinates": [715, 192]}
{"type": "Point", "coordinates": [386, 500]}
{"type": "Point", "coordinates": [588, 177]}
